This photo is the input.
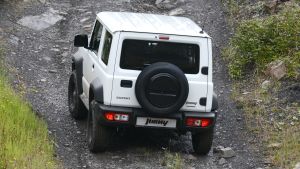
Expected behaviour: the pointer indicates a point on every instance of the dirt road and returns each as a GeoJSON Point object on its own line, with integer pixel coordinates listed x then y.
{"type": "Point", "coordinates": [40, 57]}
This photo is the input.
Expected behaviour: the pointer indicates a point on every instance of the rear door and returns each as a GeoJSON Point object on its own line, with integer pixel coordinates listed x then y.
{"type": "Point", "coordinates": [91, 59]}
{"type": "Point", "coordinates": [97, 64]}
{"type": "Point", "coordinates": [137, 50]}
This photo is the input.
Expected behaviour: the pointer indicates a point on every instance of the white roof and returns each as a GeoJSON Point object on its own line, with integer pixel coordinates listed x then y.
{"type": "Point", "coordinates": [150, 23]}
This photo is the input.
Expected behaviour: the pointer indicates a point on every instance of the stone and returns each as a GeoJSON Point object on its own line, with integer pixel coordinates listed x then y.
{"type": "Point", "coordinates": [274, 145]}
{"type": "Point", "coordinates": [84, 20]}
{"type": "Point", "coordinates": [115, 157]}
{"type": "Point", "coordinates": [166, 4]}
{"type": "Point", "coordinates": [56, 145]}
{"type": "Point", "coordinates": [238, 119]}
{"type": "Point", "coordinates": [47, 58]}
{"type": "Point", "coordinates": [14, 40]}
{"type": "Point", "coordinates": [218, 149]}
{"type": "Point", "coordinates": [52, 71]}
{"type": "Point", "coordinates": [276, 69]}
{"type": "Point", "coordinates": [227, 152]}
{"type": "Point", "coordinates": [65, 54]}
{"type": "Point", "coordinates": [297, 166]}
{"type": "Point", "coordinates": [265, 85]}
{"type": "Point", "coordinates": [41, 22]}
{"type": "Point", "coordinates": [177, 11]}
{"type": "Point", "coordinates": [55, 49]}
{"type": "Point", "coordinates": [222, 161]}
{"type": "Point", "coordinates": [63, 13]}
{"type": "Point", "coordinates": [191, 157]}
{"type": "Point", "coordinates": [87, 26]}
{"type": "Point", "coordinates": [245, 93]}
{"type": "Point", "coordinates": [271, 6]}
{"type": "Point", "coordinates": [158, 2]}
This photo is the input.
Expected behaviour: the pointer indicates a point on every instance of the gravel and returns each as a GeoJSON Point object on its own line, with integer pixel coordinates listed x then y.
{"type": "Point", "coordinates": [136, 148]}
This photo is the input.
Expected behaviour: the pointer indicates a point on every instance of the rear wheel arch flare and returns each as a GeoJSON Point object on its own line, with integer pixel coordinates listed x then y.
{"type": "Point", "coordinates": [96, 91]}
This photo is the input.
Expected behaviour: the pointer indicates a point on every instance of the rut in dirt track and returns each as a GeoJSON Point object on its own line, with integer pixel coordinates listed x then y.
{"type": "Point", "coordinates": [42, 61]}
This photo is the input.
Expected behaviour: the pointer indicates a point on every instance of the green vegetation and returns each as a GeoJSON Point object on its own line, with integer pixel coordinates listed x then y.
{"type": "Point", "coordinates": [261, 37]}
{"type": "Point", "coordinates": [260, 41]}
{"type": "Point", "coordinates": [24, 140]}
{"type": "Point", "coordinates": [271, 119]}
{"type": "Point", "coordinates": [172, 160]}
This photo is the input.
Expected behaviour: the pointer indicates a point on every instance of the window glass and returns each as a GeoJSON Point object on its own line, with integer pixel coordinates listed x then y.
{"type": "Point", "coordinates": [106, 47]}
{"type": "Point", "coordinates": [136, 54]}
{"type": "Point", "coordinates": [96, 37]}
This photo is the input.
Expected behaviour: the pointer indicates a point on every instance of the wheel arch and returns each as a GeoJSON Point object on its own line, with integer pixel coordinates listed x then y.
{"type": "Point", "coordinates": [77, 66]}
{"type": "Point", "coordinates": [215, 104]}
{"type": "Point", "coordinates": [96, 91]}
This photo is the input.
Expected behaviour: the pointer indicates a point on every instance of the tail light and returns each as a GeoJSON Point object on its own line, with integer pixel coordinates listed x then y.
{"type": "Point", "coordinates": [114, 116]}
{"type": "Point", "coordinates": [198, 122]}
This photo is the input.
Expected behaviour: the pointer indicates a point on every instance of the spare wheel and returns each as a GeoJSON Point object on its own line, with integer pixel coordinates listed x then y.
{"type": "Point", "coordinates": [161, 88]}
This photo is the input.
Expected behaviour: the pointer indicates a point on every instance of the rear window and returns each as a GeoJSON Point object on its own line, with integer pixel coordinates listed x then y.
{"type": "Point", "coordinates": [136, 54]}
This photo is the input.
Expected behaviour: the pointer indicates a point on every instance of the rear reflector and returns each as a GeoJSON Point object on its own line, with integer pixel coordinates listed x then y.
{"type": "Point", "coordinates": [113, 116]}
{"type": "Point", "coordinates": [198, 122]}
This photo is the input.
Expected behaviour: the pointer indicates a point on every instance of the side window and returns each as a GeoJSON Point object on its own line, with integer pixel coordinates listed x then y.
{"type": "Point", "coordinates": [106, 47]}
{"type": "Point", "coordinates": [96, 37]}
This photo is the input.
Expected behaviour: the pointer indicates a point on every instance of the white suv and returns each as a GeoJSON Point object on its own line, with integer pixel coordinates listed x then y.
{"type": "Point", "coordinates": [143, 70]}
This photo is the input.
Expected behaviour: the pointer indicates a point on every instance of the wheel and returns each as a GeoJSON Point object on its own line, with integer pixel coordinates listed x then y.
{"type": "Point", "coordinates": [161, 88]}
{"type": "Point", "coordinates": [202, 141]}
{"type": "Point", "coordinates": [76, 106]}
{"type": "Point", "coordinates": [99, 137]}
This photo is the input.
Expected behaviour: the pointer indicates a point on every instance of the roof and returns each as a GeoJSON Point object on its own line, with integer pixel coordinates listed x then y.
{"type": "Point", "coordinates": [150, 23]}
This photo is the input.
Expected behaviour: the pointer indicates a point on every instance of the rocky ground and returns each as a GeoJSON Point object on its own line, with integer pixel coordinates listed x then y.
{"type": "Point", "coordinates": [39, 37]}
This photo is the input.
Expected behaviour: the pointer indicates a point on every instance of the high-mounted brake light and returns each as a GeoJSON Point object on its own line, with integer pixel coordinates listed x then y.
{"type": "Point", "coordinates": [198, 122]}
{"type": "Point", "coordinates": [113, 116]}
{"type": "Point", "coordinates": [161, 37]}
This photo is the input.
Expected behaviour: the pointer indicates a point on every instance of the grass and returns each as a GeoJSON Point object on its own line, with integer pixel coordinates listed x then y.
{"type": "Point", "coordinates": [24, 140]}
{"type": "Point", "coordinates": [271, 119]}
{"type": "Point", "coordinates": [172, 160]}
{"type": "Point", "coordinates": [259, 39]}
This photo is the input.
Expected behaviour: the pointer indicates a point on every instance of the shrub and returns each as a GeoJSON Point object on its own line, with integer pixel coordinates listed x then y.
{"type": "Point", "coordinates": [257, 42]}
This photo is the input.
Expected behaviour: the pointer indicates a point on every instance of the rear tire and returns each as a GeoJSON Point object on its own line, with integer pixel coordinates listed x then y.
{"type": "Point", "coordinates": [202, 142]}
{"type": "Point", "coordinates": [76, 106]}
{"type": "Point", "coordinates": [99, 137]}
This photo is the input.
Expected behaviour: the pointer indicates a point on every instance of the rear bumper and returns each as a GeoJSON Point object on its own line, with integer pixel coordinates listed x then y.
{"type": "Point", "coordinates": [136, 112]}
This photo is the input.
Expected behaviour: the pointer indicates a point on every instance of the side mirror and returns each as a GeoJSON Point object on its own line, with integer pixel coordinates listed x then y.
{"type": "Point", "coordinates": [81, 41]}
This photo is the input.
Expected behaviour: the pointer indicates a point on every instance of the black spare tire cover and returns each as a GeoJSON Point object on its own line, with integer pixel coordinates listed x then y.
{"type": "Point", "coordinates": [161, 88]}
